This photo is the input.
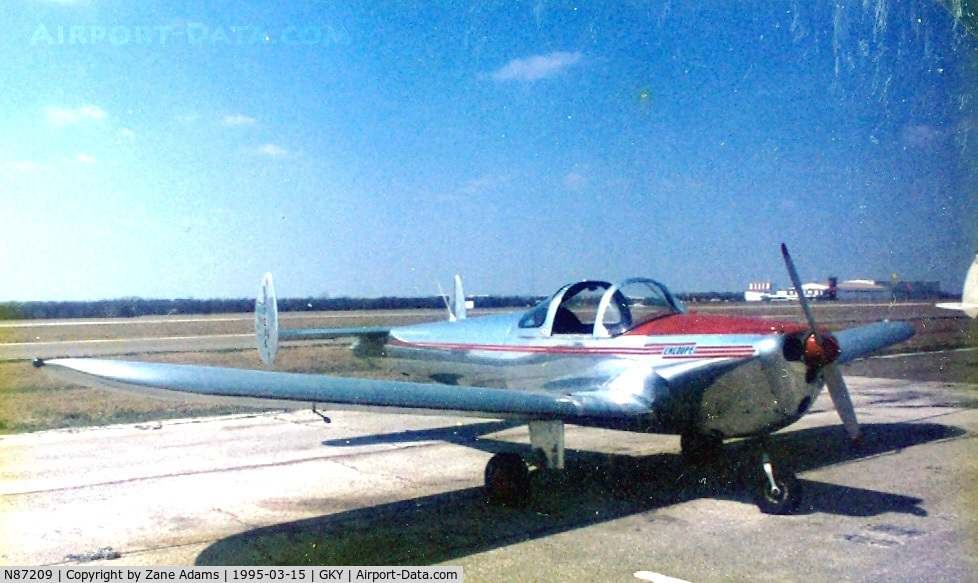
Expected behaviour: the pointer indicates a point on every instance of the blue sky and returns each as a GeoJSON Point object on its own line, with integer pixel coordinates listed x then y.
{"type": "Point", "coordinates": [172, 149]}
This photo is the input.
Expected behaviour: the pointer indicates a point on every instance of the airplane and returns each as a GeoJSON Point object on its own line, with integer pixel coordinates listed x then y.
{"type": "Point", "coordinates": [626, 356]}
{"type": "Point", "coordinates": [969, 294]}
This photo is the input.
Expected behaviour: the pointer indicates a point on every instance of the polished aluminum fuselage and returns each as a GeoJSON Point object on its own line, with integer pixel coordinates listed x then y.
{"type": "Point", "coordinates": [724, 384]}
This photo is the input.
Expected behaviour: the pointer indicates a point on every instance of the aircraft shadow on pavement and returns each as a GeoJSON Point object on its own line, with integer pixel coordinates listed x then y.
{"type": "Point", "coordinates": [594, 488]}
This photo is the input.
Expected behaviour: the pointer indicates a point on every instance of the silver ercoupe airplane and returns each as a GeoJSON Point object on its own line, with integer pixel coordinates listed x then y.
{"type": "Point", "coordinates": [627, 356]}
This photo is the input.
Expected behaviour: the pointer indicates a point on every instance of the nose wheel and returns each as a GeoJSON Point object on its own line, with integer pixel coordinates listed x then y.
{"type": "Point", "coordinates": [776, 490]}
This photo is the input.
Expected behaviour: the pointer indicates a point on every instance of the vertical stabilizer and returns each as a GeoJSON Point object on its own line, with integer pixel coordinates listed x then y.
{"type": "Point", "coordinates": [266, 321]}
{"type": "Point", "coordinates": [458, 304]}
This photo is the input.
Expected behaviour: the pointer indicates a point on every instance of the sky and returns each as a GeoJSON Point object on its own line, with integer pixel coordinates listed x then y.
{"type": "Point", "coordinates": [182, 149]}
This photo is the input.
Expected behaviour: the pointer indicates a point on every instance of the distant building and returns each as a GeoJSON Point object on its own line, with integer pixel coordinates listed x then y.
{"type": "Point", "coordinates": [757, 292]}
{"type": "Point", "coordinates": [851, 290]}
{"type": "Point", "coordinates": [761, 292]}
{"type": "Point", "coordinates": [916, 290]}
{"type": "Point", "coordinates": [862, 289]}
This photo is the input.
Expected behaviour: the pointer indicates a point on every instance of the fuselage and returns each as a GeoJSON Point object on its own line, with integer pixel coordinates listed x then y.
{"type": "Point", "coordinates": [727, 376]}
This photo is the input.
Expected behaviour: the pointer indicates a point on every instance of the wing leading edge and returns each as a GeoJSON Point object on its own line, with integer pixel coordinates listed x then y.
{"type": "Point", "coordinates": [183, 381]}
{"type": "Point", "coordinates": [856, 342]}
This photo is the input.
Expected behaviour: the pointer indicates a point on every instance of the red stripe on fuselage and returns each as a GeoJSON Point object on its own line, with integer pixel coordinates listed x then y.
{"type": "Point", "coordinates": [692, 323]}
{"type": "Point", "coordinates": [732, 351]}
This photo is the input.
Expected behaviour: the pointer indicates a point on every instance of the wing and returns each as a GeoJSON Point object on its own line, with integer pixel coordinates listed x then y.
{"type": "Point", "coordinates": [294, 389]}
{"type": "Point", "coordinates": [856, 342]}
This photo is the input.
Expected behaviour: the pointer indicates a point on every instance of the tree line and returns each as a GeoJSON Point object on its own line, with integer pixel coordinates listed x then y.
{"type": "Point", "coordinates": [135, 307]}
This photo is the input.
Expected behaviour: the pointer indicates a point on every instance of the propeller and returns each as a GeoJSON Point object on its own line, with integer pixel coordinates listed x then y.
{"type": "Point", "coordinates": [821, 352]}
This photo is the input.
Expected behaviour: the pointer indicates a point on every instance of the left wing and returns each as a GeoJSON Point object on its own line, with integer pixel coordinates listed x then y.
{"type": "Point", "coordinates": [295, 389]}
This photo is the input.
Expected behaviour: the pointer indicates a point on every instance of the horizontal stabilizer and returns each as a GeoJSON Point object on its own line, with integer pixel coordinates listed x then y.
{"type": "Point", "coordinates": [330, 333]}
{"type": "Point", "coordinates": [171, 380]}
{"type": "Point", "coordinates": [856, 342]}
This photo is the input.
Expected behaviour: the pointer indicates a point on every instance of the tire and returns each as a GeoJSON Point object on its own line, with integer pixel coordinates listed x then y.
{"type": "Point", "coordinates": [785, 501]}
{"type": "Point", "coordinates": [507, 480]}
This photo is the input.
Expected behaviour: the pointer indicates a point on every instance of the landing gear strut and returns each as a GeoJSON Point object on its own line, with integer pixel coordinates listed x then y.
{"type": "Point", "coordinates": [507, 476]}
{"type": "Point", "coordinates": [776, 490]}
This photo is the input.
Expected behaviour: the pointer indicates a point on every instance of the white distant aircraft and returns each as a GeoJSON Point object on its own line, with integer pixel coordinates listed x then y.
{"type": "Point", "coordinates": [969, 295]}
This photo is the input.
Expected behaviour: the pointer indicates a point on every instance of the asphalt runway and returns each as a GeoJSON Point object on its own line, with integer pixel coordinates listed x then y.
{"type": "Point", "coordinates": [286, 488]}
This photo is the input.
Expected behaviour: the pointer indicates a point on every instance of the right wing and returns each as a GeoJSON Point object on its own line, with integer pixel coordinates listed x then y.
{"type": "Point", "coordinates": [862, 340]}
{"type": "Point", "coordinates": [295, 389]}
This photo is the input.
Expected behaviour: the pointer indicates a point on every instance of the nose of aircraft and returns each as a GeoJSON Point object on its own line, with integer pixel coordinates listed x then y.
{"type": "Point", "coordinates": [819, 354]}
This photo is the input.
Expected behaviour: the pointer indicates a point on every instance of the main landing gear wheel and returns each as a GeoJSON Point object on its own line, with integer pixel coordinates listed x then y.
{"type": "Point", "coordinates": [776, 490]}
{"type": "Point", "coordinates": [507, 480]}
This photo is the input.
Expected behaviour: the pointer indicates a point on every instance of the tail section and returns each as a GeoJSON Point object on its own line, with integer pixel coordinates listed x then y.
{"type": "Point", "coordinates": [458, 307]}
{"type": "Point", "coordinates": [268, 335]}
{"type": "Point", "coordinates": [266, 321]}
{"type": "Point", "coordinates": [969, 295]}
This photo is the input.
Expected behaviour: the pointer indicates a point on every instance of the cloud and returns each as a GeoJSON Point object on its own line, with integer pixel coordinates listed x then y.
{"type": "Point", "coordinates": [273, 151]}
{"type": "Point", "coordinates": [125, 135]}
{"type": "Point", "coordinates": [536, 67]}
{"type": "Point", "coordinates": [575, 182]}
{"type": "Point", "coordinates": [61, 116]}
{"type": "Point", "coordinates": [22, 166]}
{"type": "Point", "coordinates": [237, 120]}
{"type": "Point", "coordinates": [477, 185]}
{"type": "Point", "coordinates": [484, 184]}
{"type": "Point", "coordinates": [921, 136]}
{"type": "Point", "coordinates": [85, 159]}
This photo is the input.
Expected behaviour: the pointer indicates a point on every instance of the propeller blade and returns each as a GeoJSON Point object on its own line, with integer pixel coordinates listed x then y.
{"type": "Point", "coordinates": [840, 398]}
{"type": "Point", "coordinates": [830, 371]}
{"type": "Point", "coordinates": [796, 281]}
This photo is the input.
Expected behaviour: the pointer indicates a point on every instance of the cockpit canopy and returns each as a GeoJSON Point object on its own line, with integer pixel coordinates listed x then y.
{"type": "Point", "coordinates": [597, 308]}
